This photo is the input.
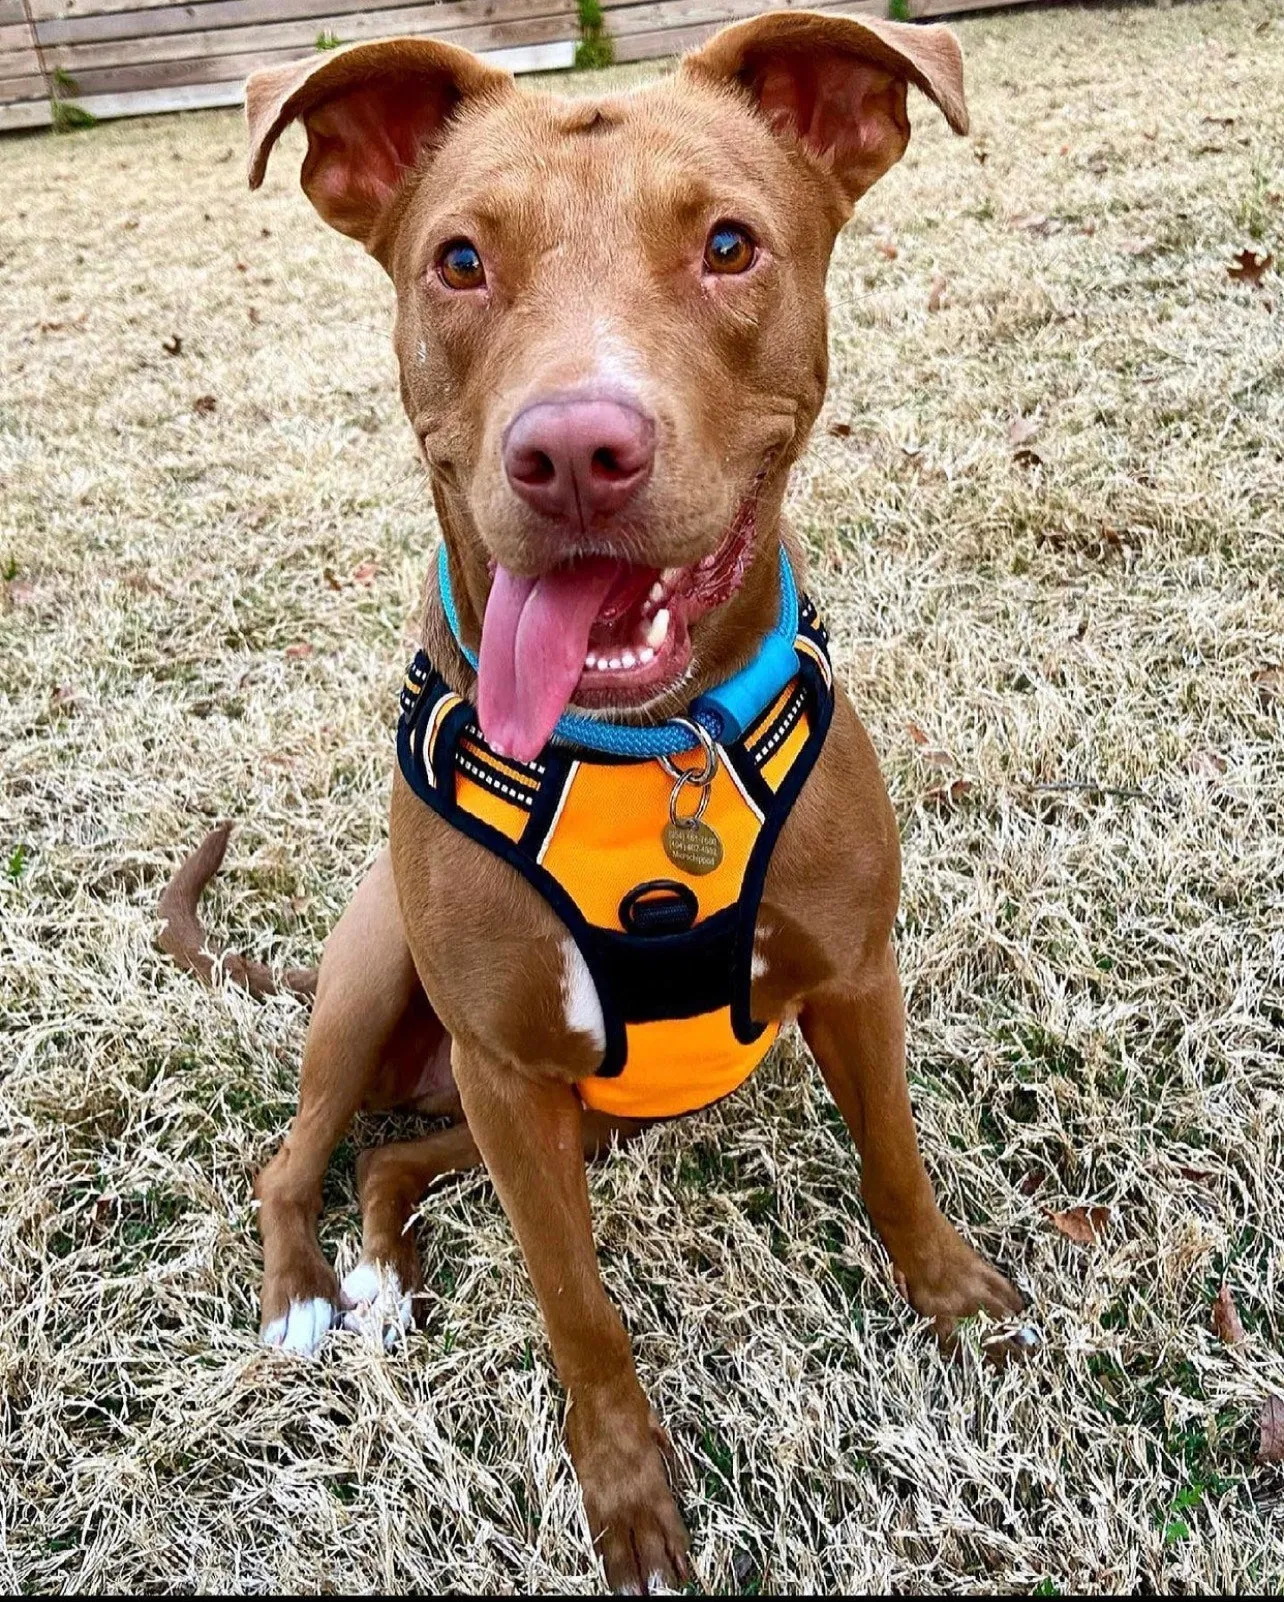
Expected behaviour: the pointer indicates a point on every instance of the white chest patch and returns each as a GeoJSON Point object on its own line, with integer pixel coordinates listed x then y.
{"type": "Point", "coordinates": [758, 967]}
{"type": "Point", "coordinates": [579, 997]}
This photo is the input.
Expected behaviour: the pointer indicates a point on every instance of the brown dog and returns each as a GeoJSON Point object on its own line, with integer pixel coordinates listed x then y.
{"type": "Point", "coordinates": [612, 342]}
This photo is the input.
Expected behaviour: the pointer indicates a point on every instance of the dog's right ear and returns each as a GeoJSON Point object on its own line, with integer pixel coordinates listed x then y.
{"type": "Point", "coordinates": [370, 112]}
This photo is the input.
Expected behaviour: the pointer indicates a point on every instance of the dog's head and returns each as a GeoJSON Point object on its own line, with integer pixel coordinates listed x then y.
{"type": "Point", "coordinates": [610, 324]}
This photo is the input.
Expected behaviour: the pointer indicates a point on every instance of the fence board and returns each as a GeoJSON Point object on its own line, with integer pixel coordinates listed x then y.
{"type": "Point", "coordinates": [462, 23]}
{"type": "Point", "coordinates": [212, 68]}
{"type": "Point", "coordinates": [348, 18]}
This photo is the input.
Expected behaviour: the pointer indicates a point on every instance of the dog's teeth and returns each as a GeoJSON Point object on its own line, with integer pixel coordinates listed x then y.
{"type": "Point", "coordinates": [658, 631]}
{"type": "Point", "coordinates": [614, 664]}
{"type": "Point", "coordinates": [590, 661]}
{"type": "Point", "coordinates": [657, 592]}
{"type": "Point", "coordinates": [645, 655]}
{"type": "Point", "coordinates": [629, 660]}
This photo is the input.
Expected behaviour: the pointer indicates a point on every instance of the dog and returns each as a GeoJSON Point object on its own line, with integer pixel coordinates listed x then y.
{"type": "Point", "coordinates": [636, 828]}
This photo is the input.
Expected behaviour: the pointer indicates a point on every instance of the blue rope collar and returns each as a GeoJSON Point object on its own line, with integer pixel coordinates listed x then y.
{"type": "Point", "coordinates": [724, 713]}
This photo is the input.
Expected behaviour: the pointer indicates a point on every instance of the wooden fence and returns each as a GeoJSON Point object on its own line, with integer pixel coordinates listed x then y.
{"type": "Point", "coordinates": [62, 59]}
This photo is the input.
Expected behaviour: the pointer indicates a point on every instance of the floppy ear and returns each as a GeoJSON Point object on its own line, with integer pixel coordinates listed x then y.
{"type": "Point", "coordinates": [837, 86]}
{"type": "Point", "coordinates": [369, 111]}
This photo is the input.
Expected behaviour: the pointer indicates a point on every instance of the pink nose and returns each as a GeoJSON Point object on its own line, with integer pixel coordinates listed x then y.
{"type": "Point", "coordinates": [579, 461]}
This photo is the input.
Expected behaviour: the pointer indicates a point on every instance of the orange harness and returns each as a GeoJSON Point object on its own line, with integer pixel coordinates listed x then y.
{"type": "Point", "coordinates": [669, 947]}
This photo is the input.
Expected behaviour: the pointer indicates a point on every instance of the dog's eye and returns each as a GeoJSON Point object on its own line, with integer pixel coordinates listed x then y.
{"type": "Point", "coordinates": [730, 249]}
{"type": "Point", "coordinates": [459, 266]}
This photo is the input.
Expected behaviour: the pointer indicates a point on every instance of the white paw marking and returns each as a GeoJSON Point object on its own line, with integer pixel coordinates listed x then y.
{"type": "Point", "coordinates": [380, 1310]}
{"type": "Point", "coordinates": [579, 997]}
{"type": "Point", "coordinates": [303, 1328]}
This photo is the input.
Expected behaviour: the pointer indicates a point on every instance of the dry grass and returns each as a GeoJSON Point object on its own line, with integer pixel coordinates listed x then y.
{"type": "Point", "coordinates": [1093, 933]}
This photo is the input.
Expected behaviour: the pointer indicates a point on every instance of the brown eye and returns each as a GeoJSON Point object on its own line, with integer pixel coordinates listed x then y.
{"type": "Point", "coordinates": [459, 266]}
{"type": "Point", "coordinates": [730, 249]}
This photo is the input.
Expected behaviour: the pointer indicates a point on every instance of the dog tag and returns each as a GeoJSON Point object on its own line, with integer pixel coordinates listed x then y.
{"type": "Point", "coordinates": [692, 846]}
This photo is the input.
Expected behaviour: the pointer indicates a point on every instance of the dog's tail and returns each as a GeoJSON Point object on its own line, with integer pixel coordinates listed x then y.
{"type": "Point", "coordinates": [182, 937]}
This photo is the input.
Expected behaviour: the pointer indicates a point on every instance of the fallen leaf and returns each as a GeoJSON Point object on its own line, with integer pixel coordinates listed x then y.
{"type": "Point", "coordinates": [204, 405]}
{"type": "Point", "coordinates": [841, 430]}
{"type": "Point", "coordinates": [1031, 1184]}
{"type": "Point", "coordinates": [884, 247]}
{"type": "Point", "coordinates": [1249, 267]}
{"type": "Point", "coordinates": [949, 795]}
{"type": "Point", "coordinates": [1025, 457]}
{"type": "Point", "coordinates": [1206, 764]}
{"type": "Point", "coordinates": [1088, 228]}
{"type": "Point", "coordinates": [936, 294]}
{"type": "Point", "coordinates": [19, 592]}
{"type": "Point", "coordinates": [1081, 1224]}
{"type": "Point", "coordinates": [1021, 430]}
{"type": "Point", "coordinates": [1270, 1423]}
{"type": "Point", "coordinates": [1036, 223]}
{"type": "Point", "coordinates": [364, 572]}
{"type": "Point", "coordinates": [300, 649]}
{"type": "Point", "coordinates": [1137, 247]}
{"type": "Point", "coordinates": [917, 734]}
{"type": "Point", "coordinates": [1226, 1324]}
{"type": "Point", "coordinates": [241, 267]}
{"type": "Point", "coordinates": [253, 315]}
{"type": "Point", "coordinates": [1197, 1176]}
{"type": "Point", "coordinates": [1270, 685]}
{"type": "Point", "coordinates": [173, 346]}
{"type": "Point", "coordinates": [332, 579]}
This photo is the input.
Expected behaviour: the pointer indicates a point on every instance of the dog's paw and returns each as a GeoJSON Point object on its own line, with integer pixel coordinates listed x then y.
{"type": "Point", "coordinates": [377, 1305]}
{"type": "Point", "coordinates": [302, 1328]}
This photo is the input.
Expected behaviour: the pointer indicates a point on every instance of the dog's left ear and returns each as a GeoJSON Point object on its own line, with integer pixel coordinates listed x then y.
{"type": "Point", "coordinates": [837, 86]}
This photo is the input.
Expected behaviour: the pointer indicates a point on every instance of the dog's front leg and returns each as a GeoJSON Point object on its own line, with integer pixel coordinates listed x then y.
{"type": "Point", "coordinates": [530, 1134]}
{"type": "Point", "coordinates": [856, 1031]}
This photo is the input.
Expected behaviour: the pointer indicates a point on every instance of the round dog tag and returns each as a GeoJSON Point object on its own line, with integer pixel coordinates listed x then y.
{"type": "Point", "coordinates": [692, 846]}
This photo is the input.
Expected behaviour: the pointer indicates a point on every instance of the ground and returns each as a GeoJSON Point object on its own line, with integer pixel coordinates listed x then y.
{"type": "Point", "coordinates": [1044, 512]}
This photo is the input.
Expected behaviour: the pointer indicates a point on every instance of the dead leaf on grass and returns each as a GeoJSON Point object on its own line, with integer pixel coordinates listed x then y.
{"type": "Point", "coordinates": [1270, 1424]}
{"type": "Point", "coordinates": [1025, 457]}
{"type": "Point", "coordinates": [1207, 764]}
{"type": "Point", "coordinates": [884, 247]}
{"type": "Point", "coordinates": [949, 795]}
{"type": "Point", "coordinates": [936, 294]}
{"type": "Point", "coordinates": [205, 405]}
{"type": "Point", "coordinates": [173, 346]}
{"type": "Point", "coordinates": [364, 572]}
{"type": "Point", "coordinates": [1021, 430]}
{"type": "Point", "coordinates": [1250, 268]}
{"type": "Point", "coordinates": [1082, 1225]}
{"type": "Point", "coordinates": [840, 430]}
{"type": "Point", "coordinates": [1137, 247]}
{"type": "Point", "coordinates": [1270, 685]}
{"type": "Point", "coordinates": [1226, 1324]}
{"type": "Point", "coordinates": [299, 649]}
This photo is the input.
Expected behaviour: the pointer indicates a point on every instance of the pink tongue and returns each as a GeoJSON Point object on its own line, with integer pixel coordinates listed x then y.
{"type": "Point", "coordinates": [534, 640]}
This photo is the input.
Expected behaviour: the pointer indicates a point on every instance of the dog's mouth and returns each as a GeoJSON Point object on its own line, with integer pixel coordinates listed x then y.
{"type": "Point", "coordinates": [598, 631]}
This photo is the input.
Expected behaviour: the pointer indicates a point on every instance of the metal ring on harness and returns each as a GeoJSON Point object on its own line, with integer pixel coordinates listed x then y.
{"type": "Point", "coordinates": [704, 776]}
{"type": "Point", "coordinates": [701, 804]}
